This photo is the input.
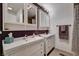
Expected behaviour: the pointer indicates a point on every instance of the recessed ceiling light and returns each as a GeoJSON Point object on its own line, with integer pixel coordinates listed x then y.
{"type": "Point", "coordinates": [9, 8]}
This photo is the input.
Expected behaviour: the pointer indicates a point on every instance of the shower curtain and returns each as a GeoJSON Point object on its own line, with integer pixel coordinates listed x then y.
{"type": "Point", "coordinates": [75, 40]}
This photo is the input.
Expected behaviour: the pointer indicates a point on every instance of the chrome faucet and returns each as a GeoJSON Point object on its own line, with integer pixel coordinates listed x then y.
{"type": "Point", "coordinates": [25, 36]}
{"type": "Point", "coordinates": [33, 34]}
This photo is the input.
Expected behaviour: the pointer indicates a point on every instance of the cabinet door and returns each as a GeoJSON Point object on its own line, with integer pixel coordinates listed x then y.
{"type": "Point", "coordinates": [18, 51]}
{"type": "Point", "coordinates": [37, 49]}
{"type": "Point", "coordinates": [47, 46]}
{"type": "Point", "coordinates": [50, 43]}
{"type": "Point", "coordinates": [23, 51]}
{"type": "Point", "coordinates": [40, 52]}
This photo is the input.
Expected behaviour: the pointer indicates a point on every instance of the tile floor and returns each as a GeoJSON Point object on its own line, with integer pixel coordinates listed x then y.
{"type": "Point", "coordinates": [57, 52]}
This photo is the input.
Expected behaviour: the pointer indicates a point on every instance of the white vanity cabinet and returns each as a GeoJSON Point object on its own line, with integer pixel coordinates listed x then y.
{"type": "Point", "coordinates": [50, 43]}
{"type": "Point", "coordinates": [31, 49]}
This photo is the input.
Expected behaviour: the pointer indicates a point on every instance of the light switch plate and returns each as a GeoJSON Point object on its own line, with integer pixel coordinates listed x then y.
{"type": "Point", "coordinates": [0, 32]}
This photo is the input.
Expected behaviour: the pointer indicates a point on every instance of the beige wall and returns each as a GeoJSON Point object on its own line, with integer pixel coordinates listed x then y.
{"type": "Point", "coordinates": [63, 15]}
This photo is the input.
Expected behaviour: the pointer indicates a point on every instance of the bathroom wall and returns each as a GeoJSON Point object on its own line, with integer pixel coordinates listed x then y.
{"type": "Point", "coordinates": [62, 15]}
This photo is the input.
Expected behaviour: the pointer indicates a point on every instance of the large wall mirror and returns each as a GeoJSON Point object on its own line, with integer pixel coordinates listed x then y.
{"type": "Point", "coordinates": [19, 16]}
{"type": "Point", "coordinates": [13, 16]}
{"type": "Point", "coordinates": [32, 14]}
{"type": "Point", "coordinates": [15, 12]}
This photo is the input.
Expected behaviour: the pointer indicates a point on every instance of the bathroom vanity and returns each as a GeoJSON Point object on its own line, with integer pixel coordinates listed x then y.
{"type": "Point", "coordinates": [22, 47]}
{"type": "Point", "coordinates": [31, 46]}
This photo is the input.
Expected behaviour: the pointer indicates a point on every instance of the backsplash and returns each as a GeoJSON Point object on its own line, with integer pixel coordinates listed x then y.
{"type": "Point", "coordinates": [22, 33]}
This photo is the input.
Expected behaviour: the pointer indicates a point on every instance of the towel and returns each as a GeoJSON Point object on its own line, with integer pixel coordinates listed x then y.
{"type": "Point", "coordinates": [62, 28]}
{"type": "Point", "coordinates": [63, 32]}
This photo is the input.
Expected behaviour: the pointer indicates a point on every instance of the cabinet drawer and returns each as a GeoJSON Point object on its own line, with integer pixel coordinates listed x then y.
{"type": "Point", "coordinates": [36, 47]}
{"type": "Point", "coordinates": [39, 52]}
{"type": "Point", "coordinates": [15, 50]}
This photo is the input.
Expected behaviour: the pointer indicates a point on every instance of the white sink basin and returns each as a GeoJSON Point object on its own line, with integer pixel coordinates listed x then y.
{"type": "Point", "coordinates": [46, 35]}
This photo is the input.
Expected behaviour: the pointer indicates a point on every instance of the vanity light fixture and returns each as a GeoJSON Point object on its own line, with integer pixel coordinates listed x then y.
{"type": "Point", "coordinates": [9, 8]}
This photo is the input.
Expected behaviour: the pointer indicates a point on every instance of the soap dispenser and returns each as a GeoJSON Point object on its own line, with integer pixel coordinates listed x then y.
{"type": "Point", "coordinates": [9, 39]}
